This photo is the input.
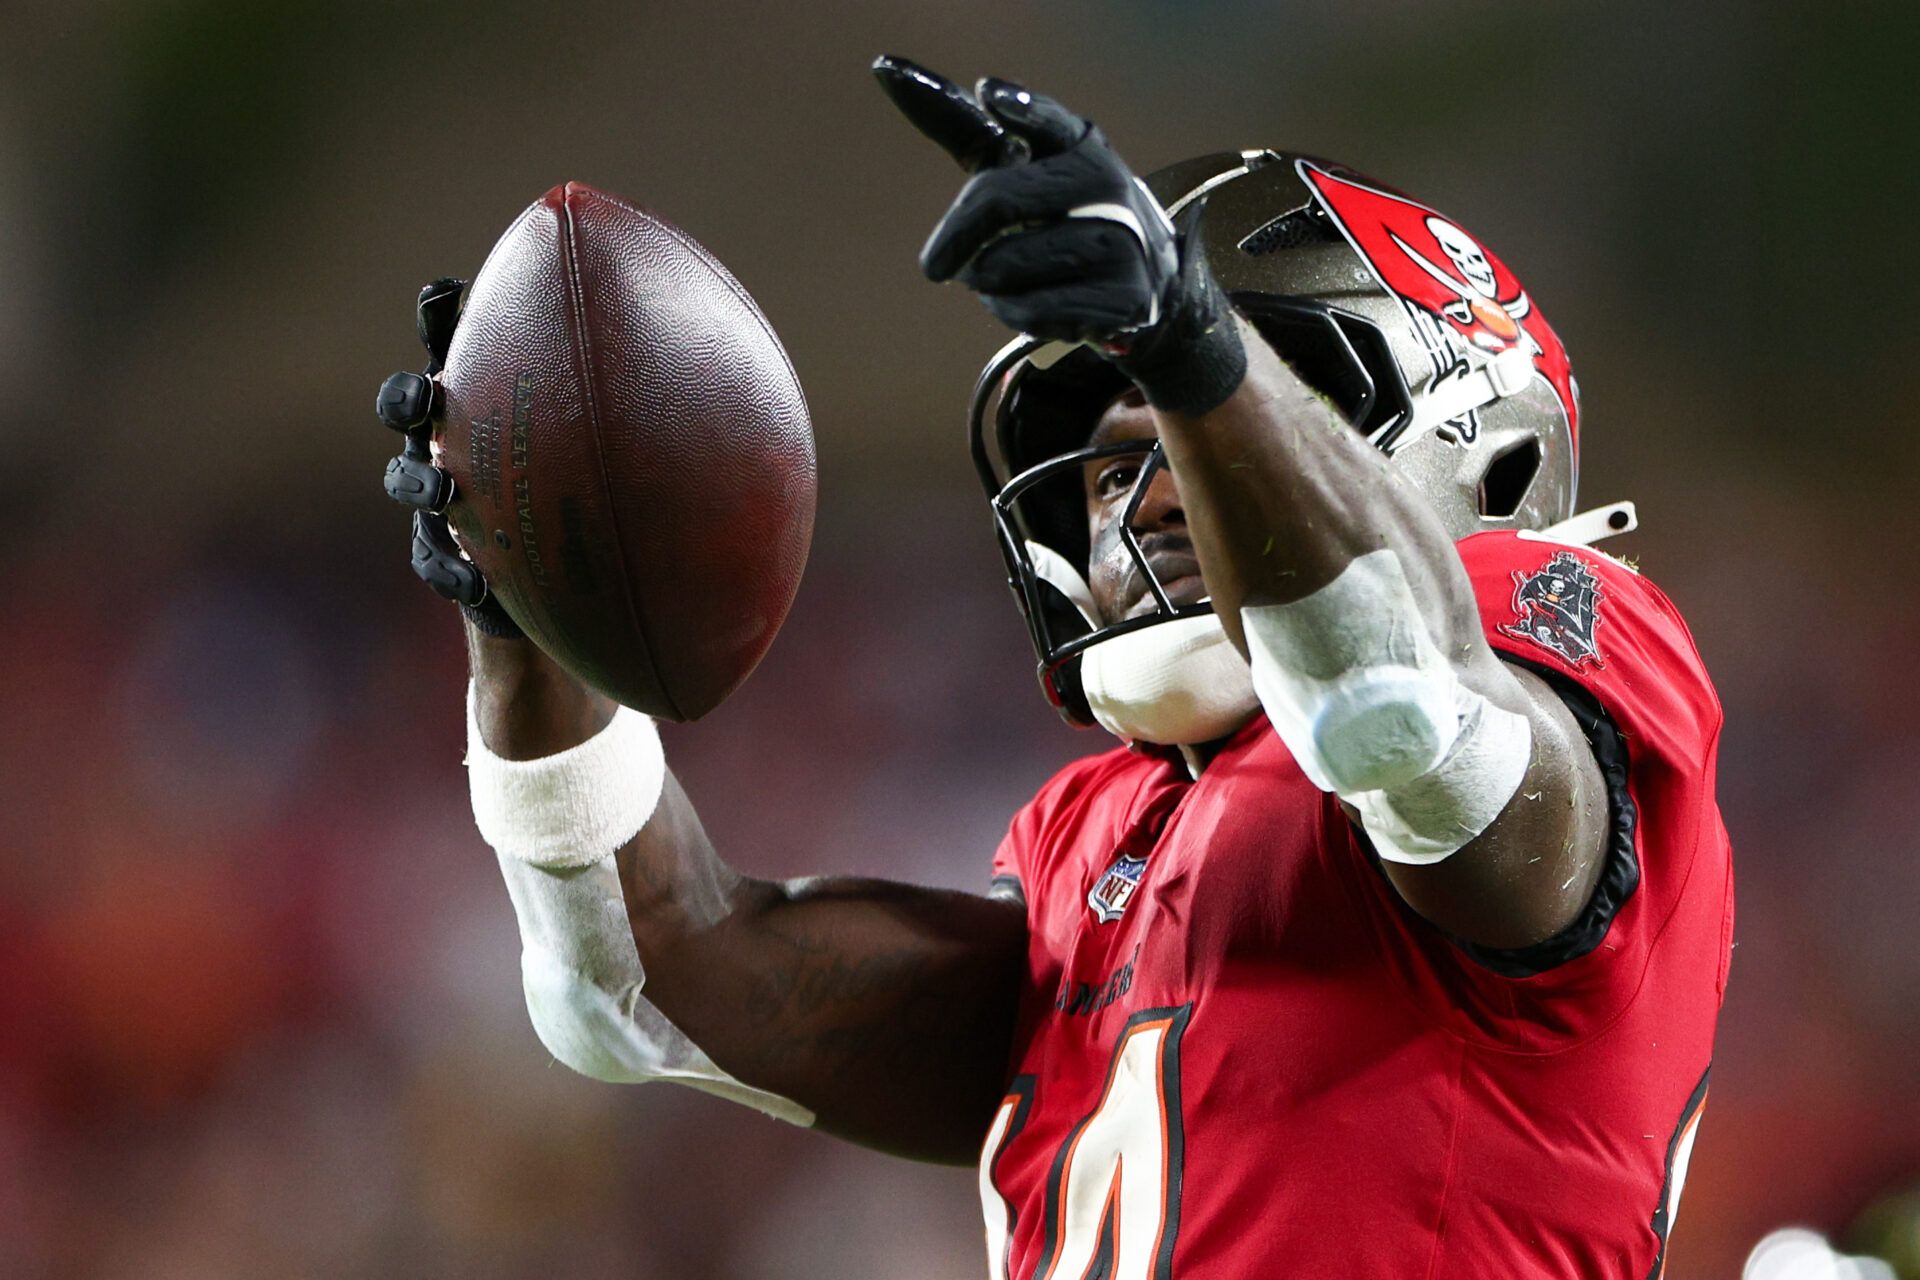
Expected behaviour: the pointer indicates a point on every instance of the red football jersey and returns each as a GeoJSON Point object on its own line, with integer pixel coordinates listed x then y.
{"type": "Point", "coordinates": [1240, 1054]}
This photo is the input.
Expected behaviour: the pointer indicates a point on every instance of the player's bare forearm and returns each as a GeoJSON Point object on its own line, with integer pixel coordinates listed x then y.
{"type": "Point", "coordinates": [885, 1009]}
{"type": "Point", "coordinates": [527, 706]}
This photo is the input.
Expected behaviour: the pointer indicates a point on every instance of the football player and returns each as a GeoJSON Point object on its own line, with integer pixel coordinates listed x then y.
{"type": "Point", "coordinates": [1391, 940]}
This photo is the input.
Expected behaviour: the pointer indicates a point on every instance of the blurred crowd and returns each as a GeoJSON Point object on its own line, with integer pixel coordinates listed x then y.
{"type": "Point", "coordinates": [259, 999]}
{"type": "Point", "coordinates": [258, 977]}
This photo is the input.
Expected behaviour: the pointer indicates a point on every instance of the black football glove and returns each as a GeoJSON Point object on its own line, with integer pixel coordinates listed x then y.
{"type": "Point", "coordinates": [1061, 241]}
{"type": "Point", "coordinates": [409, 403]}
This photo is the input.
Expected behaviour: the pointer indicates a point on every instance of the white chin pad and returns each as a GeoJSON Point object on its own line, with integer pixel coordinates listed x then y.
{"type": "Point", "coordinates": [1175, 683]}
{"type": "Point", "coordinates": [1375, 713]}
{"type": "Point", "coordinates": [556, 824]}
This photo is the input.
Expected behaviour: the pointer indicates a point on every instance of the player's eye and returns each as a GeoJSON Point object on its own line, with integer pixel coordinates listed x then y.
{"type": "Point", "coordinates": [1115, 478]}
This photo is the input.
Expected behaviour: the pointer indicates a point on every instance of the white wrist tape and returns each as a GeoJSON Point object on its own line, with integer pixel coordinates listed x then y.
{"type": "Point", "coordinates": [555, 824]}
{"type": "Point", "coordinates": [570, 809]}
{"type": "Point", "coordinates": [1436, 814]}
{"type": "Point", "coordinates": [1375, 713]}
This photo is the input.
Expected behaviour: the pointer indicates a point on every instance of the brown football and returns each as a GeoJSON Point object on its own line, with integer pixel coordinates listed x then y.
{"type": "Point", "coordinates": [632, 456]}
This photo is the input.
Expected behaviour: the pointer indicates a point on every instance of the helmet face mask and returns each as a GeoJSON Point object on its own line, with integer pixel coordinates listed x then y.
{"type": "Point", "coordinates": [1039, 513]}
{"type": "Point", "coordinates": [1427, 346]}
{"type": "Point", "coordinates": [1045, 583]}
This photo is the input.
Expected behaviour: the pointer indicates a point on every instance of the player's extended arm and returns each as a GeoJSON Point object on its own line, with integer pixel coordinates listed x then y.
{"type": "Point", "coordinates": [880, 1012]}
{"type": "Point", "coordinates": [1290, 509]}
{"type": "Point", "coordinates": [1332, 576]}
{"type": "Point", "coordinates": [885, 1010]}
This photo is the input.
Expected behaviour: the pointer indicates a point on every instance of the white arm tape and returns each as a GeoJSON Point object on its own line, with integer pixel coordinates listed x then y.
{"type": "Point", "coordinates": [579, 967]}
{"type": "Point", "coordinates": [574, 808]}
{"type": "Point", "coordinates": [1374, 712]}
{"type": "Point", "coordinates": [1436, 814]}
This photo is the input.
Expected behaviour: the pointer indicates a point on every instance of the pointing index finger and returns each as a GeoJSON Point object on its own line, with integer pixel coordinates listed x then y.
{"type": "Point", "coordinates": [1047, 127]}
{"type": "Point", "coordinates": [947, 114]}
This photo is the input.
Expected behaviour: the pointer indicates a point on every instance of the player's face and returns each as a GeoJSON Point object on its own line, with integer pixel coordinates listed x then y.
{"type": "Point", "coordinates": [1118, 587]}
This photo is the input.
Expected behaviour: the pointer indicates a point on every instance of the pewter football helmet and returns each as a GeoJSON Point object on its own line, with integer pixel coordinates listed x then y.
{"type": "Point", "coordinates": [1424, 340]}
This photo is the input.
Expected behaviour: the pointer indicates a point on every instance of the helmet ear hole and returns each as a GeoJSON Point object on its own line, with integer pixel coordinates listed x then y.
{"type": "Point", "coordinates": [1508, 477]}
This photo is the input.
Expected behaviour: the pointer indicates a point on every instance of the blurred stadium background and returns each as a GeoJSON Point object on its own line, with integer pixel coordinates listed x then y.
{"type": "Point", "coordinates": [259, 1009]}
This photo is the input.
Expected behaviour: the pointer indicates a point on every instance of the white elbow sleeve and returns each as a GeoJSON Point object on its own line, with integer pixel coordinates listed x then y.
{"type": "Point", "coordinates": [1375, 713]}
{"type": "Point", "coordinates": [555, 824]}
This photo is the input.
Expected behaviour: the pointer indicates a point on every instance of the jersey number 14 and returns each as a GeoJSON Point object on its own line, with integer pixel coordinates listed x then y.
{"type": "Point", "coordinates": [1113, 1193]}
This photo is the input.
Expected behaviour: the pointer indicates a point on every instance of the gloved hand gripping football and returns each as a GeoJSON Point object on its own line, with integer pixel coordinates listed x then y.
{"type": "Point", "coordinates": [409, 403]}
{"type": "Point", "coordinates": [1061, 241]}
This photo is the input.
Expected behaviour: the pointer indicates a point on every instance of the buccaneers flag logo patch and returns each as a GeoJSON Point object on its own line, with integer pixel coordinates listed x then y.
{"type": "Point", "coordinates": [1459, 296]}
{"type": "Point", "coordinates": [1558, 608]}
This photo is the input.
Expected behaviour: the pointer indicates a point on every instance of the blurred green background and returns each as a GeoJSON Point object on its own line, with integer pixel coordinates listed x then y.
{"type": "Point", "coordinates": [259, 1006]}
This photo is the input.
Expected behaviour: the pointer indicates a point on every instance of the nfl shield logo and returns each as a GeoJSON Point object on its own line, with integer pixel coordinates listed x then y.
{"type": "Point", "coordinates": [1114, 890]}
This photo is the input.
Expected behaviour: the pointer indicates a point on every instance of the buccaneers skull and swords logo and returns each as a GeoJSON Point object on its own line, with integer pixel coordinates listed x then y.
{"type": "Point", "coordinates": [1558, 608]}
